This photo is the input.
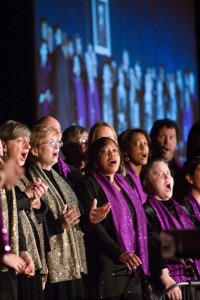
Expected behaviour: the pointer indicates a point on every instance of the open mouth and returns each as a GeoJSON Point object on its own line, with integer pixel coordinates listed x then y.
{"type": "Point", "coordinates": [24, 155]}
{"type": "Point", "coordinates": [144, 156]}
{"type": "Point", "coordinates": [112, 162]}
{"type": "Point", "coordinates": [168, 187]}
{"type": "Point", "coordinates": [165, 149]}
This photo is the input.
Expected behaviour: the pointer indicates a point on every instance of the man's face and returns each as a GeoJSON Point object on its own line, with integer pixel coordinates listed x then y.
{"type": "Point", "coordinates": [167, 142]}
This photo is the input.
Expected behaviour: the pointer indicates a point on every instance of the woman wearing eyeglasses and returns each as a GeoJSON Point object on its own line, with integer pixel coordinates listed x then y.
{"type": "Point", "coordinates": [66, 261]}
{"type": "Point", "coordinates": [75, 141]}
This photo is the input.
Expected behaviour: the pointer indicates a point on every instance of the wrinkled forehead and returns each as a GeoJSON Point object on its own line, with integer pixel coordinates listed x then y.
{"type": "Point", "coordinates": [52, 134]}
{"type": "Point", "coordinates": [158, 166]}
{"type": "Point", "coordinates": [55, 125]}
{"type": "Point", "coordinates": [51, 122]}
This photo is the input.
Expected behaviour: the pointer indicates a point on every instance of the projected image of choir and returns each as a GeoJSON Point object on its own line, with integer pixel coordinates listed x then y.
{"type": "Point", "coordinates": [73, 78]}
{"type": "Point", "coordinates": [107, 94]}
{"type": "Point", "coordinates": [44, 80]}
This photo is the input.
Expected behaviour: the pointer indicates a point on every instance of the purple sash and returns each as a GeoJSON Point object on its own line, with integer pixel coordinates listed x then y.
{"type": "Point", "coordinates": [138, 186]}
{"type": "Point", "coordinates": [195, 206]}
{"type": "Point", "coordinates": [63, 167]}
{"type": "Point", "coordinates": [130, 239]}
{"type": "Point", "coordinates": [169, 222]}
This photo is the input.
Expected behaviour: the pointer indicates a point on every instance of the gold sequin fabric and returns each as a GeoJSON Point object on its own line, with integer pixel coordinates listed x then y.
{"type": "Point", "coordinates": [38, 257]}
{"type": "Point", "coordinates": [66, 260]}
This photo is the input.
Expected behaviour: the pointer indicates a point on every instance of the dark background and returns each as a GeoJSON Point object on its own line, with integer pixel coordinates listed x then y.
{"type": "Point", "coordinates": [17, 59]}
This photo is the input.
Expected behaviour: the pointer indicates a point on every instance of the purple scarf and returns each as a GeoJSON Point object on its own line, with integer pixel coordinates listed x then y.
{"type": "Point", "coordinates": [63, 168]}
{"type": "Point", "coordinates": [4, 243]}
{"type": "Point", "coordinates": [169, 222]}
{"type": "Point", "coordinates": [195, 206]}
{"type": "Point", "coordinates": [138, 186]}
{"type": "Point", "coordinates": [130, 239]}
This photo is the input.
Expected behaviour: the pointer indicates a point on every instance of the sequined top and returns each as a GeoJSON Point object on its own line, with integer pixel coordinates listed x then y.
{"type": "Point", "coordinates": [37, 253]}
{"type": "Point", "coordinates": [66, 260]}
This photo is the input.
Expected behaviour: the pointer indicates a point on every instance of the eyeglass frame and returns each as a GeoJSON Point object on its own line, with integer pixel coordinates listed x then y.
{"type": "Point", "coordinates": [83, 140]}
{"type": "Point", "coordinates": [51, 143]}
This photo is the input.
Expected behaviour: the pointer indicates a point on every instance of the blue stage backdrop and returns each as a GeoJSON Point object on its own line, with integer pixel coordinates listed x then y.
{"type": "Point", "coordinates": [125, 62]}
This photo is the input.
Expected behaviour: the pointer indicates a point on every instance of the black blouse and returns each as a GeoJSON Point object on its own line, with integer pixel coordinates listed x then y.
{"type": "Point", "coordinates": [102, 235]}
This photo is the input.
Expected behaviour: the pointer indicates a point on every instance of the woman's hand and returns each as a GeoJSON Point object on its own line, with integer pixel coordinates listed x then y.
{"type": "Point", "coordinates": [13, 261]}
{"type": "Point", "coordinates": [69, 217]}
{"type": "Point", "coordinates": [97, 214]}
{"type": "Point", "coordinates": [29, 268]}
{"type": "Point", "coordinates": [35, 191]}
{"type": "Point", "coordinates": [131, 260]}
{"type": "Point", "coordinates": [22, 264]}
{"type": "Point", "coordinates": [175, 293]}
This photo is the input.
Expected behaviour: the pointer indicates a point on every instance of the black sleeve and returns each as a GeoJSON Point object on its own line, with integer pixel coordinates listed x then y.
{"type": "Point", "coordinates": [75, 176]}
{"type": "Point", "coordinates": [41, 212]}
{"type": "Point", "coordinates": [188, 209]}
{"type": "Point", "coordinates": [22, 240]}
{"type": "Point", "coordinates": [156, 262]}
{"type": "Point", "coordinates": [53, 225]}
{"type": "Point", "coordinates": [103, 232]}
{"type": "Point", "coordinates": [128, 179]}
{"type": "Point", "coordinates": [23, 202]}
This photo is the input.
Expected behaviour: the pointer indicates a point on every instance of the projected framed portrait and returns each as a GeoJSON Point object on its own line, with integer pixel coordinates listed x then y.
{"type": "Point", "coordinates": [101, 27]}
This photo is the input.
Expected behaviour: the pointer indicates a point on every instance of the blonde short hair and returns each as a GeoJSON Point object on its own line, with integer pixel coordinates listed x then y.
{"type": "Point", "coordinates": [39, 132]}
{"type": "Point", "coordinates": [95, 127]}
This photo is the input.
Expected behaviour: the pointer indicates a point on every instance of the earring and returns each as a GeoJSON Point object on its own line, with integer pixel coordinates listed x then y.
{"type": "Point", "coordinates": [5, 155]}
{"type": "Point", "coordinates": [126, 158]}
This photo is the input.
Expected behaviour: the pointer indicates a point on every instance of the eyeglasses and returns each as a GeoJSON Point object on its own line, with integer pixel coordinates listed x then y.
{"type": "Point", "coordinates": [52, 143]}
{"type": "Point", "coordinates": [83, 140]}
